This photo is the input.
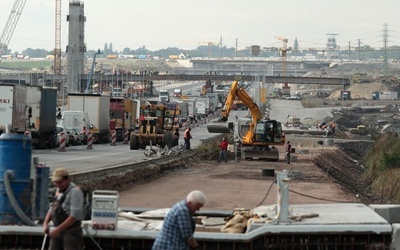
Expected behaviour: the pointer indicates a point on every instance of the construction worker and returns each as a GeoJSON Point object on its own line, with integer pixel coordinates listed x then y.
{"type": "Point", "coordinates": [223, 148]}
{"type": "Point", "coordinates": [187, 136]}
{"type": "Point", "coordinates": [175, 141]}
{"type": "Point", "coordinates": [322, 125]}
{"type": "Point", "coordinates": [332, 127]}
{"type": "Point", "coordinates": [66, 213]}
{"type": "Point", "coordinates": [288, 151]}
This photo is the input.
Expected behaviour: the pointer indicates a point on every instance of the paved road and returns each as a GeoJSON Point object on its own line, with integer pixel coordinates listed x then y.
{"type": "Point", "coordinates": [79, 158]}
{"type": "Point", "coordinates": [280, 109]}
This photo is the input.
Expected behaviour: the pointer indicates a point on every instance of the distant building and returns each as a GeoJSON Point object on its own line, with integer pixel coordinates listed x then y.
{"type": "Point", "coordinates": [296, 44]}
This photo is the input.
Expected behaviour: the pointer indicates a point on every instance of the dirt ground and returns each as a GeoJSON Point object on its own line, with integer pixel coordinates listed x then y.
{"type": "Point", "coordinates": [242, 185]}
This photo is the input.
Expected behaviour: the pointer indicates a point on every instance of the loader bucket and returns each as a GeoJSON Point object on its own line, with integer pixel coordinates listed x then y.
{"type": "Point", "coordinates": [220, 127]}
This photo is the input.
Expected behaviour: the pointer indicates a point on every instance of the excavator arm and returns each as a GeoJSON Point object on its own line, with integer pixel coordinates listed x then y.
{"type": "Point", "coordinates": [241, 94]}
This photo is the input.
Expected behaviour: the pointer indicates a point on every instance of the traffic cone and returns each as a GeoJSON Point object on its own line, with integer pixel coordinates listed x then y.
{"type": "Point", "coordinates": [126, 136]}
{"type": "Point", "coordinates": [89, 141]}
{"type": "Point", "coordinates": [62, 142]}
{"type": "Point", "coordinates": [113, 138]}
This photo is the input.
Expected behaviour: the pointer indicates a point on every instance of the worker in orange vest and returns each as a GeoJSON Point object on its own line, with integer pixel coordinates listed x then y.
{"type": "Point", "coordinates": [187, 136]}
{"type": "Point", "coordinates": [332, 126]}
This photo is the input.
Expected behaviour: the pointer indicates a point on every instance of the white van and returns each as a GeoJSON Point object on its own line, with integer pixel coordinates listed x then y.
{"type": "Point", "coordinates": [76, 119]}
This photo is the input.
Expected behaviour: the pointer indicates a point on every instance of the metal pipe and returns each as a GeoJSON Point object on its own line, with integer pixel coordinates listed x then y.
{"type": "Point", "coordinates": [8, 128]}
{"type": "Point", "coordinates": [7, 176]}
{"type": "Point", "coordinates": [34, 181]}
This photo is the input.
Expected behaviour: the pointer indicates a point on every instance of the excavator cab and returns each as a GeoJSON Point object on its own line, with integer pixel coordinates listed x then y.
{"type": "Point", "coordinates": [268, 131]}
{"type": "Point", "coordinates": [264, 131]}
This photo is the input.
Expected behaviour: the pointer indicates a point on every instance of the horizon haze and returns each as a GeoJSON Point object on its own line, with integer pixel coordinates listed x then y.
{"type": "Point", "coordinates": [158, 24]}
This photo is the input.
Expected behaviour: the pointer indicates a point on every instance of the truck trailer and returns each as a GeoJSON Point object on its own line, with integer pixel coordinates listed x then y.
{"type": "Point", "coordinates": [42, 103]}
{"type": "Point", "coordinates": [98, 108]}
{"type": "Point", "coordinates": [13, 107]}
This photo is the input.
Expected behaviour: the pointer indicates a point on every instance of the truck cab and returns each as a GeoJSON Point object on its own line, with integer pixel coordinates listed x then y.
{"type": "Point", "coordinates": [177, 92]}
{"type": "Point", "coordinates": [163, 96]}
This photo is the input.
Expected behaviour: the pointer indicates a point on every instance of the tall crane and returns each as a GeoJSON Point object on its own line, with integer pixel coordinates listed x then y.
{"type": "Point", "coordinates": [210, 45]}
{"type": "Point", "coordinates": [284, 49]}
{"type": "Point", "coordinates": [11, 24]}
{"type": "Point", "coordinates": [57, 47]}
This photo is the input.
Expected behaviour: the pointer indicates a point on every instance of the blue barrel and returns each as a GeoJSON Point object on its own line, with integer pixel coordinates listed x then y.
{"type": "Point", "coordinates": [15, 155]}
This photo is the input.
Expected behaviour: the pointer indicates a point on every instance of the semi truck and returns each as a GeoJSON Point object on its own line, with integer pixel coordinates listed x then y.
{"type": "Point", "coordinates": [42, 103]}
{"type": "Point", "coordinates": [13, 107]}
{"type": "Point", "coordinates": [213, 101]}
{"type": "Point", "coordinates": [177, 93]}
{"type": "Point", "coordinates": [201, 108]}
{"type": "Point", "coordinates": [207, 103]}
{"type": "Point", "coordinates": [191, 108]}
{"type": "Point", "coordinates": [163, 96]}
{"type": "Point", "coordinates": [184, 112]}
{"type": "Point", "coordinates": [122, 115]}
{"type": "Point", "coordinates": [98, 108]}
{"type": "Point", "coordinates": [385, 95]}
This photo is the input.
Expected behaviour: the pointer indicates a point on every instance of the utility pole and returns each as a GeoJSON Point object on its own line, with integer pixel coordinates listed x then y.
{"type": "Point", "coordinates": [236, 47]}
{"type": "Point", "coordinates": [385, 36]}
{"type": "Point", "coordinates": [220, 47]}
{"type": "Point", "coordinates": [359, 49]}
{"type": "Point", "coordinates": [348, 56]}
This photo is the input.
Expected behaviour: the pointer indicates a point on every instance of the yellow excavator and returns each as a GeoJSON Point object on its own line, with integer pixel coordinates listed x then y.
{"type": "Point", "coordinates": [257, 137]}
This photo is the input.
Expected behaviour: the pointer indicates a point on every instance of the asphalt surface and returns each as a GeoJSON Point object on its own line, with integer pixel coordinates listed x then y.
{"type": "Point", "coordinates": [80, 159]}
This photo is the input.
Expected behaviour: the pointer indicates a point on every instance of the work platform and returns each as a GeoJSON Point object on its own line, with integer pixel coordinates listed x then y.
{"type": "Point", "coordinates": [333, 226]}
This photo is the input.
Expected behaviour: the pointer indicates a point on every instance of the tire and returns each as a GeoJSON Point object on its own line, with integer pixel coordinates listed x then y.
{"type": "Point", "coordinates": [168, 139]}
{"type": "Point", "coordinates": [53, 141]}
{"type": "Point", "coordinates": [134, 143]}
{"type": "Point", "coordinates": [42, 141]}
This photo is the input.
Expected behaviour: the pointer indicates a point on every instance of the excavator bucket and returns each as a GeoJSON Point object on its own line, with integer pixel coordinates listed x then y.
{"type": "Point", "coordinates": [220, 127]}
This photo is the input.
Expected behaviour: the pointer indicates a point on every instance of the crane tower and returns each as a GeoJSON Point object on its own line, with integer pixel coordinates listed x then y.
{"type": "Point", "coordinates": [57, 47]}
{"type": "Point", "coordinates": [284, 49]}
{"type": "Point", "coordinates": [11, 24]}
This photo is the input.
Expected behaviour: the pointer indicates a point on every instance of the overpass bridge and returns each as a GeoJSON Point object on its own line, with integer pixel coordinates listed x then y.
{"type": "Point", "coordinates": [48, 79]}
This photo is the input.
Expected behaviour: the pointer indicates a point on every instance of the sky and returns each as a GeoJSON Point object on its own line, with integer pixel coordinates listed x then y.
{"type": "Point", "coordinates": [185, 24]}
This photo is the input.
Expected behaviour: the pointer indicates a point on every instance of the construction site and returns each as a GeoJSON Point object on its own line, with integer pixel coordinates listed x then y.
{"type": "Point", "coordinates": [330, 191]}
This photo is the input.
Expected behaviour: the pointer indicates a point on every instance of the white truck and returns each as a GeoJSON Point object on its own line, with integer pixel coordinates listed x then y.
{"type": "Point", "coordinates": [203, 109]}
{"type": "Point", "coordinates": [41, 102]}
{"type": "Point", "coordinates": [163, 96]}
{"type": "Point", "coordinates": [98, 108]}
{"type": "Point", "coordinates": [213, 101]}
{"type": "Point", "coordinates": [191, 108]}
{"type": "Point", "coordinates": [13, 107]}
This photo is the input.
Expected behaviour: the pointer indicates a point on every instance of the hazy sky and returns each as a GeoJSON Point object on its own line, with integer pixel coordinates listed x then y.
{"type": "Point", "coordinates": [187, 24]}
